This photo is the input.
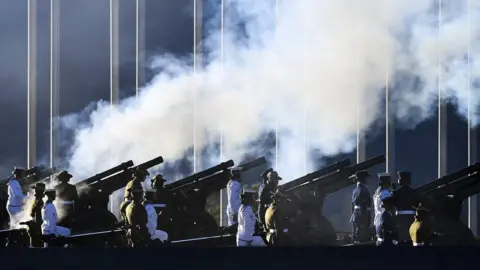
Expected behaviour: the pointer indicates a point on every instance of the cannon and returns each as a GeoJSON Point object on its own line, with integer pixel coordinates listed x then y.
{"type": "Point", "coordinates": [190, 199]}
{"type": "Point", "coordinates": [312, 195]}
{"type": "Point", "coordinates": [14, 238]}
{"type": "Point", "coordinates": [102, 175]}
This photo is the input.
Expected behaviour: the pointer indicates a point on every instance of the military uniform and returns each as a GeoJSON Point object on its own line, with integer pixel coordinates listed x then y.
{"type": "Point", "coordinates": [49, 219]}
{"type": "Point", "coordinates": [136, 183]}
{"type": "Point", "coordinates": [16, 197]}
{"type": "Point", "coordinates": [67, 197]}
{"type": "Point", "coordinates": [361, 204]}
{"type": "Point", "coordinates": [247, 222]}
{"type": "Point", "coordinates": [384, 182]}
{"type": "Point", "coordinates": [405, 200]}
{"type": "Point", "coordinates": [152, 215]}
{"type": "Point", "coordinates": [162, 203]}
{"type": "Point", "coordinates": [276, 225]}
{"type": "Point", "coordinates": [420, 230]}
{"type": "Point", "coordinates": [265, 198]}
{"type": "Point", "coordinates": [234, 190]}
{"type": "Point", "coordinates": [137, 220]}
{"type": "Point", "coordinates": [385, 228]}
{"type": "Point", "coordinates": [36, 206]}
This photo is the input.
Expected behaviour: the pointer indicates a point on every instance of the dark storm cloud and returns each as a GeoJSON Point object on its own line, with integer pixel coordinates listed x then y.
{"type": "Point", "coordinates": [84, 60]}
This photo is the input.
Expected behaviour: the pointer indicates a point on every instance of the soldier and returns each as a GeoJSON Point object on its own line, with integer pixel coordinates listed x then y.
{"type": "Point", "coordinates": [384, 185]}
{"type": "Point", "coordinates": [16, 197]}
{"type": "Point", "coordinates": [264, 181]}
{"type": "Point", "coordinates": [421, 230]}
{"type": "Point", "coordinates": [405, 199]}
{"type": "Point", "coordinates": [36, 206]}
{"type": "Point", "coordinates": [385, 228]}
{"type": "Point", "coordinates": [276, 224]}
{"type": "Point", "coordinates": [246, 223]}
{"type": "Point", "coordinates": [266, 195]}
{"type": "Point", "coordinates": [162, 203]}
{"type": "Point", "coordinates": [361, 204]}
{"type": "Point", "coordinates": [234, 190]}
{"type": "Point", "coordinates": [49, 218]}
{"type": "Point", "coordinates": [140, 175]}
{"type": "Point", "coordinates": [137, 219]}
{"type": "Point", "coordinates": [67, 198]}
{"type": "Point", "coordinates": [153, 216]}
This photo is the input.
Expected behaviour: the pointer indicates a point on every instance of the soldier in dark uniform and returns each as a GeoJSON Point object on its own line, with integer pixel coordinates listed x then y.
{"type": "Point", "coordinates": [405, 199]}
{"type": "Point", "coordinates": [162, 203]}
{"type": "Point", "coordinates": [421, 230]}
{"type": "Point", "coordinates": [139, 177]}
{"type": "Point", "coordinates": [276, 223]}
{"type": "Point", "coordinates": [35, 226]}
{"type": "Point", "coordinates": [266, 195]}
{"type": "Point", "coordinates": [386, 229]}
{"type": "Point", "coordinates": [361, 208]}
{"type": "Point", "coordinates": [67, 197]}
{"type": "Point", "coordinates": [137, 219]}
{"type": "Point", "coordinates": [264, 181]}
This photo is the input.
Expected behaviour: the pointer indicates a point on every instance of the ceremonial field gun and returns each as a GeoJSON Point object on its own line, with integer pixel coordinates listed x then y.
{"type": "Point", "coordinates": [190, 200]}
{"type": "Point", "coordinates": [98, 177]}
{"type": "Point", "coordinates": [14, 238]}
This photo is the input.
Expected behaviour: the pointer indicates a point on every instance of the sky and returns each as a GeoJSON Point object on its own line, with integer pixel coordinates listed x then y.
{"type": "Point", "coordinates": [84, 61]}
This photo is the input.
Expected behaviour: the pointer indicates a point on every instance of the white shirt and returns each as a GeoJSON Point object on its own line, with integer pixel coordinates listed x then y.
{"type": "Point", "coordinates": [234, 190]}
{"type": "Point", "coordinates": [377, 204]}
{"type": "Point", "coordinates": [49, 217]}
{"type": "Point", "coordinates": [152, 218]}
{"type": "Point", "coordinates": [246, 223]}
{"type": "Point", "coordinates": [15, 193]}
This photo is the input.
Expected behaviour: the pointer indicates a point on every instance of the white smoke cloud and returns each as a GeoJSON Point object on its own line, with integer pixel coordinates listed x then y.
{"type": "Point", "coordinates": [329, 59]}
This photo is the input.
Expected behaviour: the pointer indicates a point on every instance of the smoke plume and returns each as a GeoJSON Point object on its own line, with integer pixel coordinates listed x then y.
{"type": "Point", "coordinates": [306, 74]}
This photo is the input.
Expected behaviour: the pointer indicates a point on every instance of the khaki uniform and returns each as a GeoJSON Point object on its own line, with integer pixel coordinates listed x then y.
{"type": "Point", "coordinates": [127, 196]}
{"type": "Point", "coordinates": [275, 225]}
{"type": "Point", "coordinates": [420, 233]}
{"type": "Point", "coordinates": [35, 230]}
{"type": "Point", "coordinates": [137, 220]}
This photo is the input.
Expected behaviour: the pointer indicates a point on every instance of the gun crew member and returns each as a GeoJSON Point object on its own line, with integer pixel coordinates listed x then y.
{"type": "Point", "coordinates": [67, 197]}
{"type": "Point", "coordinates": [420, 230]}
{"type": "Point", "coordinates": [264, 181]}
{"type": "Point", "coordinates": [405, 199]}
{"type": "Point", "coordinates": [386, 228]}
{"type": "Point", "coordinates": [246, 222]}
{"type": "Point", "coordinates": [137, 219]}
{"type": "Point", "coordinates": [276, 224]}
{"type": "Point", "coordinates": [36, 207]}
{"type": "Point", "coordinates": [361, 204]}
{"type": "Point", "coordinates": [16, 197]}
{"type": "Point", "coordinates": [49, 218]}
{"type": "Point", "coordinates": [384, 185]}
{"type": "Point", "coordinates": [139, 177]}
{"type": "Point", "coordinates": [162, 203]}
{"type": "Point", "coordinates": [234, 190]}
{"type": "Point", "coordinates": [267, 193]}
{"type": "Point", "coordinates": [153, 216]}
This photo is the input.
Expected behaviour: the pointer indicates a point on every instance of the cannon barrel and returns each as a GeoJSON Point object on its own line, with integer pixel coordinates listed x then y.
{"type": "Point", "coordinates": [314, 175]}
{"type": "Point", "coordinates": [448, 178]}
{"type": "Point", "coordinates": [118, 181]}
{"type": "Point", "coordinates": [195, 177]}
{"type": "Point", "coordinates": [341, 178]}
{"type": "Point", "coordinates": [468, 191]}
{"type": "Point", "coordinates": [451, 188]}
{"type": "Point", "coordinates": [39, 176]}
{"type": "Point", "coordinates": [252, 164]}
{"type": "Point", "coordinates": [104, 174]}
{"type": "Point", "coordinates": [28, 173]}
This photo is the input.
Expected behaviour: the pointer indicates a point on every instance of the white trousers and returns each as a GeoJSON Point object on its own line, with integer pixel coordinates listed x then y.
{"type": "Point", "coordinates": [257, 241]}
{"type": "Point", "coordinates": [160, 235]}
{"type": "Point", "coordinates": [230, 219]}
{"type": "Point", "coordinates": [59, 231]}
{"type": "Point", "coordinates": [13, 212]}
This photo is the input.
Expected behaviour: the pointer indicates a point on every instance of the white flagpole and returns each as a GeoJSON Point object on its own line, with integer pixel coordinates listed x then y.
{"type": "Point", "coordinates": [31, 82]}
{"type": "Point", "coordinates": [442, 106]}
{"type": "Point", "coordinates": [54, 78]}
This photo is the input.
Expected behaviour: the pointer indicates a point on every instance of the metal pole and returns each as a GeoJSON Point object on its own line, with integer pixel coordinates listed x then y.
{"type": "Point", "coordinates": [442, 107]}
{"type": "Point", "coordinates": [276, 125]}
{"type": "Point", "coordinates": [31, 82]}
{"type": "Point", "coordinates": [140, 45]}
{"type": "Point", "coordinates": [389, 122]}
{"type": "Point", "coordinates": [223, 193]}
{"type": "Point", "coordinates": [472, 134]}
{"type": "Point", "coordinates": [197, 64]}
{"type": "Point", "coordinates": [114, 62]}
{"type": "Point", "coordinates": [54, 78]}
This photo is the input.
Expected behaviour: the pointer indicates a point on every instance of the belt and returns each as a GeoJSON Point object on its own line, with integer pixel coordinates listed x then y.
{"type": "Point", "coordinates": [159, 205]}
{"type": "Point", "coordinates": [275, 231]}
{"type": "Point", "coordinates": [395, 242]}
{"type": "Point", "coordinates": [66, 202]}
{"type": "Point", "coordinates": [417, 244]}
{"type": "Point", "coordinates": [405, 212]}
{"type": "Point", "coordinates": [127, 200]}
{"type": "Point", "coordinates": [359, 207]}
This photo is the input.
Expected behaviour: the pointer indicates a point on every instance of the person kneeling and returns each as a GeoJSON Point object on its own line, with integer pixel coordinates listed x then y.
{"type": "Point", "coordinates": [49, 218]}
{"type": "Point", "coordinates": [246, 223]}
{"type": "Point", "coordinates": [152, 222]}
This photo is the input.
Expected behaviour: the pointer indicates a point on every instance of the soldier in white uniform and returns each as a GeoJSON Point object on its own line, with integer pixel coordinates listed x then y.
{"type": "Point", "coordinates": [16, 197]}
{"type": "Point", "coordinates": [384, 189]}
{"type": "Point", "coordinates": [49, 217]}
{"type": "Point", "coordinates": [234, 190]}
{"type": "Point", "coordinates": [246, 223]}
{"type": "Point", "coordinates": [153, 216]}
